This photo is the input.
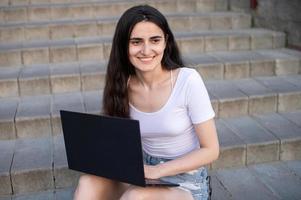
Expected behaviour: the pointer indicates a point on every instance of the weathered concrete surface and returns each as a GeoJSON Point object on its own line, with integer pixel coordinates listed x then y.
{"type": "Point", "coordinates": [262, 146]}
{"type": "Point", "coordinates": [46, 195]}
{"type": "Point", "coordinates": [295, 167]}
{"type": "Point", "coordinates": [34, 80]}
{"type": "Point", "coordinates": [232, 102]}
{"type": "Point", "coordinates": [242, 183]}
{"type": "Point", "coordinates": [6, 157]}
{"type": "Point", "coordinates": [232, 148]}
{"type": "Point", "coordinates": [31, 170]}
{"type": "Point", "coordinates": [219, 192]}
{"type": "Point", "coordinates": [285, 130]}
{"type": "Point", "coordinates": [68, 101]}
{"type": "Point", "coordinates": [8, 109]}
{"type": "Point", "coordinates": [33, 117]}
{"type": "Point", "coordinates": [279, 180]}
{"type": "Point", "coordinates": [64, 177]}
{"type": "Point", "coordinates": [276, 180]}
{"type": "Point", "coordinates": [64, 194]}
{"type": "Point", "coordinates": [280, 15]}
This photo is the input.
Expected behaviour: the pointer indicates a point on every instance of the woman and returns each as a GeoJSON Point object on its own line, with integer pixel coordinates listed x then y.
{"type": "Point", "coordinates": [146, 81]}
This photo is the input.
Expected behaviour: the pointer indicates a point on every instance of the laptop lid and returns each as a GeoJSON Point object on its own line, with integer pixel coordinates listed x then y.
{"type": "Point", "coordinates": [104, 146]}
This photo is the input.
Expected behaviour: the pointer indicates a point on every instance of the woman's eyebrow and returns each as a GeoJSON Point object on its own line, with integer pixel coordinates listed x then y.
{"type": "Point", "coordinates": [135, 38]}
{"type": "Point", "coordinates": [152, 38]}
{"type": "Point", "coordinates": [156, 37]}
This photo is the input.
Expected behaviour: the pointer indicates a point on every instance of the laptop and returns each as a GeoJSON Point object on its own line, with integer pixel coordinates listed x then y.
{"type": "Point", "coordinates": [106, 146]}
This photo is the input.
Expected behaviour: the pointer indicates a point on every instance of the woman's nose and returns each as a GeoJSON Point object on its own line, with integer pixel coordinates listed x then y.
{"type": "Point", "coordinates": [146, 49]}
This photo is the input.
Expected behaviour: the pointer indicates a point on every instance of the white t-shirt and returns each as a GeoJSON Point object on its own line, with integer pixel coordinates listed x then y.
{"type": "Point", "coordinates": [169, 132]}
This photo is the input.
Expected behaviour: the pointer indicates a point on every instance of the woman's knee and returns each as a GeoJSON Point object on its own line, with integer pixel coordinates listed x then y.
{"type": "Point", "coordinates": [139, 193]}
{"type": "Point", "coordinates": [94, 187]}
{"type": "Point", "coordinates": [86, 181]}
{"type": "Point", "coordinates": [94, 184]}
{"type": "Point", "coordinates": [85, 187]}
{"type": "Point", "coordinates": [94, 180]}
{"type": "Point", "coordinates": [134, 193]}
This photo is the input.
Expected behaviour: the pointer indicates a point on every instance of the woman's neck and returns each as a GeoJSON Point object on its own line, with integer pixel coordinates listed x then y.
{"type": "Point", "coordinates": [152, 79]}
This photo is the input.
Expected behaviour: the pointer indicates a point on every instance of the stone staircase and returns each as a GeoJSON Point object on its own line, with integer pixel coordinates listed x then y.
{"type": "Point", "coordinates": [53, 56]}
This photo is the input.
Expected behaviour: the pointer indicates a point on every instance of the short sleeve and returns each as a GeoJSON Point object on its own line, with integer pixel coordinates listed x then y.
{"type": "Point", "coordinates": [197, 99]}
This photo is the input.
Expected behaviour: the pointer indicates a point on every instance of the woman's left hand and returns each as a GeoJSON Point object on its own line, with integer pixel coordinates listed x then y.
{"type": "Point", "coordinates": [152, 171]}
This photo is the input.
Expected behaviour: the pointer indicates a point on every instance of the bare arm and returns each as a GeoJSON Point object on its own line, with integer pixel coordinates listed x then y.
{"type": "Point", "coordinates": [208, 152]}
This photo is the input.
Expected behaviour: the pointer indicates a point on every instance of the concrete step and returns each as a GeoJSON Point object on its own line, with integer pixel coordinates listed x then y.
{"type": "Point", "coordinates": [104, 26]}
{"type": "Point", "coordinates": [12, 3]}
{"type": "Point", "coordinates": [93, 9]}
{"type": "Point", "coordinates": [32, 165]}
{"type": "Point", "coordinates": [230, 65]}
{"type": "Point", "coordinates": [255, 95]}
{"type": "Point", "coordinates": [55, 194]}
{"type": "Point", "coordinates": [52, 79]}
{"type": "Point", "coordinates": [86, 76]}
{"type": "Point", "coordinates": [36, 165]}
{"type": "Point", "coordinates": [276, 180]}
{"type": "Point", "coordinates": [260, 138]}
{"type": "Point", "coordinates": [98, 48]}
{"type": "Point", "coordinates": [38, 116]}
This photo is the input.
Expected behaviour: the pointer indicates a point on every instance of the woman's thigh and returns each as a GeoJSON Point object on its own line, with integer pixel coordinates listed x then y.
{"type": "Point", "coordinates": [94, 187]}
{"type": "Point", "coordinates": [155, 193]}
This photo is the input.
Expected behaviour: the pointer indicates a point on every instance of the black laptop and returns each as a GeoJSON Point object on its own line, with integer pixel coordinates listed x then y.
{"type": "Point", "coordinates": [106, 146]}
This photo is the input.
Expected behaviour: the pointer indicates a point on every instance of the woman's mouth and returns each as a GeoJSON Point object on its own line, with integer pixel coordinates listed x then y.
{"type": "Point", "coordinates": [146, 59]}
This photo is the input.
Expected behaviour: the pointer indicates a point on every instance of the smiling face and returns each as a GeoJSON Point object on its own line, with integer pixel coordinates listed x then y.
{"type": "Point", "coordinates": [146, 46]}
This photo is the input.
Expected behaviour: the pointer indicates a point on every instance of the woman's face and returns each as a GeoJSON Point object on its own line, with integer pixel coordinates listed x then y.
{"type": "Point", "coordinates": [146, 46]}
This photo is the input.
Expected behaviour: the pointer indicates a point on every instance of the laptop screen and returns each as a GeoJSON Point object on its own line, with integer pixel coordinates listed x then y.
{"type": "Point", "coordinates": [105, 146]}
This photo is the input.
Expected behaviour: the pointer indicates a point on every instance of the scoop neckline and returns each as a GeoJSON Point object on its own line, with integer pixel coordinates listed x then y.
{"type": "Point", "coordinates": [165, 104]}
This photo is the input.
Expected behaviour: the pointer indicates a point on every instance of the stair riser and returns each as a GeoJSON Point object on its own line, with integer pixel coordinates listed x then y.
{"type": "Point", "coordinates": [101, 51]}
{"type": "Point", "coordinates": [8, 130]}
{"type": "Point", "coordinates": [41, 126]}
{"type": "Point", "coordinates": [65, 177]}
{"type": "Point", "coordinates": [289, 102]}
{"type": "Point", "coordinates": [284, 67]}
{"type": "Point", "coordinates": [266, 104]}
{"type": "Point", "coordinates": [247, 141]}
{"type": "Point", "coordinates": [34, 86]}
{"type": "Point", "coordinates": [231, 157]}
{"type": "Point", "coordinates": [237, 156]}
{"type": "Point", "coordinates": [249, 68]}
{"type": "Point", "coordinates": [52, 84]}
{"type": "Point", "coordinates": [243, 107]}
{"type": "Point", "coordinates": [290, 150]}
{"type": "Point", "coordinates": [5, 184]}
{"type": "Point", "coordinates": [9, 88]}
{"type": "Point", "coordinates": [103, 28]}
{"type": "Point", "coordinates": [34, 181]}
{"type": "Point", "coordinates": [259, 153]}
{"type": "Point", "coordinates": [73, 11]}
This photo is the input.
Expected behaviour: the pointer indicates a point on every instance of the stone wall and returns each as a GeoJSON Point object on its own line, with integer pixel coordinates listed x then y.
{"type": "Point", "coordinates": [239, 5]}
{"type": "Point", "coordinates": [279, 15]}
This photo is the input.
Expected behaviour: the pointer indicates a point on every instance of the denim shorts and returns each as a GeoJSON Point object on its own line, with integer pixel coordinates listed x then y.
{"type": "Point", "coordinates": [197, 182]}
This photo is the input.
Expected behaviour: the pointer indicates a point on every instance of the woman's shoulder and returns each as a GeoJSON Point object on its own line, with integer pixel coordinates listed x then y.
{"type": "Point", "coordinates": [188, 73]}
{"type": "Point", "coordinates": [188, 70]}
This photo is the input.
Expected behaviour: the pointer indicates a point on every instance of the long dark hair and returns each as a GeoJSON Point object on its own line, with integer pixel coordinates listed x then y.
{"type": "Point", "coordinates": [115, 97]}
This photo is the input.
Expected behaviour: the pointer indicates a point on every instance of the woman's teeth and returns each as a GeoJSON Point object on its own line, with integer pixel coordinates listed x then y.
{"type": "Point", "coordinates": [146, 59]}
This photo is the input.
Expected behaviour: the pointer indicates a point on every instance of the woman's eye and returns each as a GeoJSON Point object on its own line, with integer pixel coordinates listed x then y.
{"type": "Point", "coordinates": [156, 41]}
{"type": "Point", "coordinates": [135, 43]}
